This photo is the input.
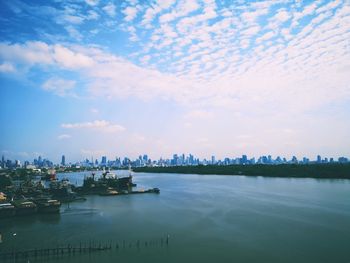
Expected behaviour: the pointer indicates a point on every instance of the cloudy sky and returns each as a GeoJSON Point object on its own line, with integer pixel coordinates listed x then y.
{"type": "Point", "coordinates": [123, 78]}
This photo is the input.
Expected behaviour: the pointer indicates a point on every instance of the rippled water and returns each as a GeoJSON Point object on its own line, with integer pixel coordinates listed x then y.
{"type": "Point", "coordinates": [209, 218]}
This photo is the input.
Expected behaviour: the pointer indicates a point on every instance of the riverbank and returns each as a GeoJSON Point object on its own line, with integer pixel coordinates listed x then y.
{"type": "Point", "coordinates": [319, 171]}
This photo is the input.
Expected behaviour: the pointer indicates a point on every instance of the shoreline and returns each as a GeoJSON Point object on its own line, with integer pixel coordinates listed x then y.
{"type": "Point", "coordinates": [316, 171]}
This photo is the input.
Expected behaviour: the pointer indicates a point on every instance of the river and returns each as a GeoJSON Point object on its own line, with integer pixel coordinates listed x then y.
{"type": "Point", "coordinates": [209, 218]}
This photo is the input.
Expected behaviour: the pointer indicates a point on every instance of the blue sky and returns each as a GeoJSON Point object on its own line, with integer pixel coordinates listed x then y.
{"type": "Point", "coordinates": [116, 78]}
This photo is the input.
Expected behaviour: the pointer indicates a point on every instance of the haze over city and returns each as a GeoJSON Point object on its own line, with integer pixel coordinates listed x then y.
{"type": "Point", "coordinates": [124, 78]}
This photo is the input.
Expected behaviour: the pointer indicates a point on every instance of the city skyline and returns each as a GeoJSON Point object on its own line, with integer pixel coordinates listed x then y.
{"type": "Point", "coordinates": [175, 160]}
{"type": "Point", "coordinates": [111, 78]}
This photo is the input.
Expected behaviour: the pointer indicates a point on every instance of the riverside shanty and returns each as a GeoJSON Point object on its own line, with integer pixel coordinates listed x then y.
{"type": "Point", "coordinates": [32, 196]}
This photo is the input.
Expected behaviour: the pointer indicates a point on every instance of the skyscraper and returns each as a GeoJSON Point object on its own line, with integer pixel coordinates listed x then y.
{"type": "Point", "coordinates": [63, 161]}
{"type": "Point", "coordinates": [244, 159]}
{"type": "Point", "coordinates": [319, 159]}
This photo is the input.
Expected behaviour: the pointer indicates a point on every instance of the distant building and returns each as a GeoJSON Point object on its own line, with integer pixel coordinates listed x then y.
{"type": "Point", "coordinates": [343, 160]}
{"type": "Point", "coordinates": [319, 159]}
{"type": "Point", "coordinates": [104, 160]}
{"type": "Point", "coordinates": [63, 161]}
{"type": "Point", "coordinates": [17, 163]}
{"type": "Point", "coordinates": [294, 160]}
{"type": "Point", "coordinates": [244, 159]}
{"type": "Point", "coordinates": [305, 160]}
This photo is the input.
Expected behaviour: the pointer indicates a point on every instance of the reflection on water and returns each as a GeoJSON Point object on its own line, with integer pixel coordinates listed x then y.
{"type": "Point", "coordinates": [209, 218]}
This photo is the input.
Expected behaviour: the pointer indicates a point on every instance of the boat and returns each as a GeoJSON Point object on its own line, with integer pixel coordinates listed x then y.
{"type": "Point", "coordinates": [109, 192]}
{"type": "Point", "coordinates": [47, 205]}
{"type": "Point", "coordinates": [7, 210]}
{"type": "Point", "coordinates": [154, 190]}
{"type": "Point", "coordinates": [30, 188]}
{"type": "Point", "coordinates": [63, 192]}
{"type": "Point", "coordinates": [112, 180]}
{"type": "Point", "coordinates": [23, 206]}
{"type": "Point", "coordinates": [108, 181]}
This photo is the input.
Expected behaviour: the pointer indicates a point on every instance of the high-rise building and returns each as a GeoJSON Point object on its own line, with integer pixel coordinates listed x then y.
{"type": "Point", "coordinates": [175, 159]}
{"type": "Point", "coordinates": [104, 160]}
{"type": "Point", "coordinates": [244, 159]}
{"type": "Point", "coordinates": [319, 160]}
{"type": "Point", "coordinates": [145, 158]}
{"type": "Point", "coordinates": [63, 161]}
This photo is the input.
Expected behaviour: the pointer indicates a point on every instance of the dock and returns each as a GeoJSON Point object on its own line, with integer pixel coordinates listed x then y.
{"type": "Point", "coordinates": [81, 249]}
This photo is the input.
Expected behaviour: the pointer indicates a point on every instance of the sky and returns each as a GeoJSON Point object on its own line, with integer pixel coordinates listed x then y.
{"type": "Point", "coordinates": [211, 77]}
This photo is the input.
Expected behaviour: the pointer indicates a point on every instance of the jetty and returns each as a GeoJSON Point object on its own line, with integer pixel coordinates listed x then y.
{"type": "Point", "coordinates": [81, 248]}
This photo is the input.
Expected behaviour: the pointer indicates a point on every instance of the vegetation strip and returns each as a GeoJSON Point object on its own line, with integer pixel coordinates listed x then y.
{"type": "Point", "coordinates": [319, 171]}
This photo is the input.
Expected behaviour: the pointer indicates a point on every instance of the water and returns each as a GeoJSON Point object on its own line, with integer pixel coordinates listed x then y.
{"type": "Point", "coordinates": [209, 218]}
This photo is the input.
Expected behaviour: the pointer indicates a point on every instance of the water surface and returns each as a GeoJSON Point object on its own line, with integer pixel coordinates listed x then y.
{"type": "Point", "coordinates": [209, 218]}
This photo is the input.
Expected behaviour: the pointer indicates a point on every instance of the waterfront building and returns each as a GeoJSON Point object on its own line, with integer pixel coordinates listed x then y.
{"type": "Point", "coordinates": [63, 160]}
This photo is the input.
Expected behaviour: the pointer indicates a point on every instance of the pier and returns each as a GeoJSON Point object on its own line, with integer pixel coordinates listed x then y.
{"type": "Point", "coordinates": [80, 249]}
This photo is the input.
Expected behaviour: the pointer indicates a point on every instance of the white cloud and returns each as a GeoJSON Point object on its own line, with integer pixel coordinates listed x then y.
{"type": "Point", "coordinates": [64, 137]}
{"type": "Point", "coordinates": [7, 68]}
{"type": "Point", "coordinates": [245, 43]}
{"type": "Point", "coordinates": [36, 52]}
{"type": "Point", "coordinates": [153, 10]}
{"type": "Point", "coordinates": [72, 19]}
{"type": "Point", "coordinates": [92, 2]}
{"type": "Point", "coordinates": [98, 125]}
{"type": "Point", "coordinates": [110, 9]}
{"type": "Point", "coordinates": [211, 69]}
{"type": "Point", "coordinates": [74, 33]}
{"type": "Point", "coordinates": [130, 13]}
{"type": "Point", "coordinates": [60, 87]}
{"type": "Point", "coordinates": [265, 37]}
{"type": "Point", "coordinates": [32, 52]}
{"type": "Point", "coordinates": [183, 8]}
{"type": "Point", "coordinates": [251, 31]}
{"type": "Point", "coordinates": [252, 16]}
{"type": "Point", "coordinates": [67, 58]}
{"type": "Point", "coordinates": [92, 15]}
{"type": "Point", "coordinates": [329, 6]}
{"type": "Point", "coordinates": [283, 16]}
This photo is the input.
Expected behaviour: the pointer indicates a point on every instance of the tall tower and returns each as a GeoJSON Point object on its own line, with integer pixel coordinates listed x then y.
{"type": "Point", "coordinates": [63, 161]}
